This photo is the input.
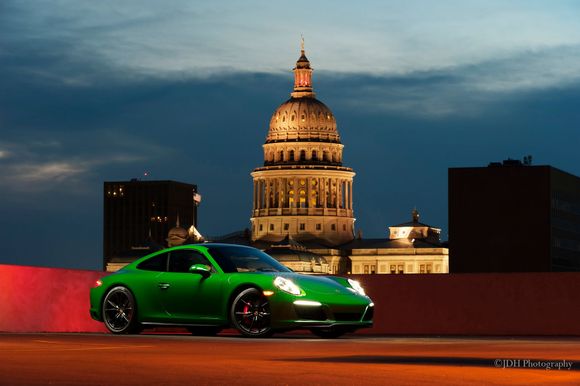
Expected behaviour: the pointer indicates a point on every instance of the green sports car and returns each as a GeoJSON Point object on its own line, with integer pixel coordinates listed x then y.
{"type": "Point", "coordinates": [208, 287]}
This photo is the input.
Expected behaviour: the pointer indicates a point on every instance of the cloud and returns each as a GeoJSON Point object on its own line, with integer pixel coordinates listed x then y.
{"type": "Point", "coordinates": [39, 174]}
{"type": "Point", "coordinates": [42, 166]}
{"type": "Point", "coordinates": [373, 37]}
{"type": "Point", "coordinates": [470, 90]}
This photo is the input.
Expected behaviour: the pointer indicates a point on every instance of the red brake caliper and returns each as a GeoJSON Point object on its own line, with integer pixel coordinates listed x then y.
{"type": "Point", "coordinates": [246, 310]}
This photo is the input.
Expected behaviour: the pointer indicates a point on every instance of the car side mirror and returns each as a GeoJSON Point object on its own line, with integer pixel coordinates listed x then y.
{"type": "Point", "coordinates": [201, 269]}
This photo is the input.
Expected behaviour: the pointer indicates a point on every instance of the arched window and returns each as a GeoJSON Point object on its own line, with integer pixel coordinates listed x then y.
{"type": "Point", "coordinates": [291, 156]}
{"type": "Point", "coordinates": [314, 155]}
{"type": "Point", "coordinates": [302, 198]}
{"type": "Point", "coordinates": [325, 156]}
{"type": "Point", "coordinates": [313, 199]}
{"type": "Point", "coordinates": [281, 155]}
{"type": "Point", "coordinates": [302, 155]}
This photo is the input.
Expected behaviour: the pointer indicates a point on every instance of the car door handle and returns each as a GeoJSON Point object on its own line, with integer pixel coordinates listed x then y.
{"type": "Point", "coordinates": [163, 285]}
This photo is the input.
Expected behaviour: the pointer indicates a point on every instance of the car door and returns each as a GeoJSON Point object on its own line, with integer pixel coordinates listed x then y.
{"type": "Point", "coordinates": [146, 289]}
{"type": "Point", "coordinates": [190, 297]}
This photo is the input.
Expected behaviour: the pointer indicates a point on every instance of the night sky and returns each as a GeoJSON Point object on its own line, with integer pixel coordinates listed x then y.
{"type": "Point", "coordinates": [104, 90]}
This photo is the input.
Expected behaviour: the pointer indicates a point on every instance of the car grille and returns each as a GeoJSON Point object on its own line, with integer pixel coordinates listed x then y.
{"type": "Point", "coordinates": [347, 316]}
{"type": "Point", "coordinates": [369, 314]}
{"type": "Point", "coordinates": [310, 313]}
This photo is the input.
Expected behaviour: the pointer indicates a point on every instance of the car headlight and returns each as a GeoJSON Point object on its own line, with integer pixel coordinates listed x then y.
{"type": "Point", "coordinates": [287, 285]}
{"type": "Point", "coordinates": [357, 287]}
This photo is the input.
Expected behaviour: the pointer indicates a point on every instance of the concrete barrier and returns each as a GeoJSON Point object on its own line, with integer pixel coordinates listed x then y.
{"type": "Point", "coordinates": [34, 299]}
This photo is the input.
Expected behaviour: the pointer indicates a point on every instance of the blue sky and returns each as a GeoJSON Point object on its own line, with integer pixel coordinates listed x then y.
{"type": "Point", "coordinates": [94, 91]}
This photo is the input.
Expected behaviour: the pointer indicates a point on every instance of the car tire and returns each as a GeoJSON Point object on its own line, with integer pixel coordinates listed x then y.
{"type": "Point", "coordinates": [204, 330]}
{"type": "Point", "coordinates": [250, 314]}
{"type": "Point", "coordinates": [328, 332]}
{"type": "Point", "coordinates": [120, 311]}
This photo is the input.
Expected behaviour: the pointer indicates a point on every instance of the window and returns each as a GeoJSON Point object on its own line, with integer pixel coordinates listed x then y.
{"type": "Point", "coordinates": [318, 227]}
{"type": "Point", "coordinates": [181, 260]}
{"type": "Point", "coordinates": [366, 269]}
{"type": "Point", "coordinates": [302, 226]}
{"type": "Point", "coordinates": [243, 259]}
{"type": "Point", "coordinates": [286, 227]}
{"type": "Point", "coordinates": [261, 227]}
{"type": "Point", "coordinates": [400, 268]}
{"type": "Point", "coordinates": [428, 268]}
{"type": "Point", "coordinates": [393, 268]}
{"type": "Point", "coordinates": [373, 269]}
{"type": "Point", "coordinates": [291, 156]}
{"type": "Point", "coordinates": [333, 227]}
{"type": "Point", "coordinates": [271, 227]}
{"type": "Point", "coordinates": [422, 268]}
{"type": "Point", "coordinates": [302, 155]}
{"type": "Point", "coordinates": [156, 263]}
{"type": "Point", "coordinates": [343, 227]}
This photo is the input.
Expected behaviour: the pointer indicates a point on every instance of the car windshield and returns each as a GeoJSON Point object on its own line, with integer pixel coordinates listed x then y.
{"type": "Point", "coordinates": [233, 258]}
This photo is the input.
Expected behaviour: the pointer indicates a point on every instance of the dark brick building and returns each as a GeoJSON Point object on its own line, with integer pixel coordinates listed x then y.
{"type": "Point", "coordinates": [513, 217]}
{"type": "Point", "coordinates": [139, 214]}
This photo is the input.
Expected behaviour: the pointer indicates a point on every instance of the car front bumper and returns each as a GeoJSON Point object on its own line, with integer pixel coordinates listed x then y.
{"type": "Point", "coordinates": [349, 311]}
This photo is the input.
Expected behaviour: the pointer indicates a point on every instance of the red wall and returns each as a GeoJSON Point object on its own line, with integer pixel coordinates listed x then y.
{"type": "Point", "coordinates": [57, 300]}
{"type": "Point", "coordinates": [34, 299]}
{"type": "Point", "coordinates": [475, 304]}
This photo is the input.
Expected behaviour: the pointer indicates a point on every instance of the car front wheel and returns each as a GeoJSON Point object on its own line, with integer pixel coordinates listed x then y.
{"type": "Point", "coordinates": [250, 314]}
{"type": "Point", "coordinates": [119, 311]}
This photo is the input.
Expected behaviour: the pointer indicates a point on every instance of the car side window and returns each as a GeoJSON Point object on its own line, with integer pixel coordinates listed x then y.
{"type": "Point", "coordinates": [181, 260]}
{"type": "Point", "coordinates": [156, 263]}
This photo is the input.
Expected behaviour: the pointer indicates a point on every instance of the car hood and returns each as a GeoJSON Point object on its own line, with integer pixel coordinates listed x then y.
{"type": "Point", "coordinates": [317, 284]}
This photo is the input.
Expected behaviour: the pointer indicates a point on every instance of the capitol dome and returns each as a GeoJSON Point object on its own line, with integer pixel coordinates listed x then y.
{"type": "Point", "coordinates": [303, 190]}
{"type": "Point", "coordinates": [303, 119]}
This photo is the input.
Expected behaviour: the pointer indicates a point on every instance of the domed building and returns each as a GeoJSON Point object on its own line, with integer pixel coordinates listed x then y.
{"type": "Point", "coordinates": [303, 191]}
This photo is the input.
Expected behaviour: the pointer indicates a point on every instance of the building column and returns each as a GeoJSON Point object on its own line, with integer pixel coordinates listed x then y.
{"type": "Point", "coordinates": [268, 189]}
{"type": "Point", "coordinates": [296, 196]}
{"type": "Point", "coordinates": [350, 194]}
{"type": "Point", "coordinates": [254, 197]}
{"type": "Point", "coordinates": [323, 189]}
{"type": "Point", "coordinates": [337, 197]}
{"type": "Point", "coordinates": [308, 191]}
{"type": "Point", "coordinates": [285, 193]}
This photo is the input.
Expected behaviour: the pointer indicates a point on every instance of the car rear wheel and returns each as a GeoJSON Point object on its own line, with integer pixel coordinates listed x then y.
{"type": "Point", "coordinates": [329, 332]}
{"type": "Point", "coordinates": [119, 311]}
{"type": "Point", "coordinates": [250, 314]}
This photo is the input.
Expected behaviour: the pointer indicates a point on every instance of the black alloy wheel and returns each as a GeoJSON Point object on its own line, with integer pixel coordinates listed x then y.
{"type": "Point", "coordinates": [250, 314]}
{"type": "Point", "coordinates": [119, 311]}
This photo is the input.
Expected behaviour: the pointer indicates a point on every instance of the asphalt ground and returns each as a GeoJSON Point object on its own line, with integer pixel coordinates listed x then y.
{"type": "Point", "coordinates": [292, 359]}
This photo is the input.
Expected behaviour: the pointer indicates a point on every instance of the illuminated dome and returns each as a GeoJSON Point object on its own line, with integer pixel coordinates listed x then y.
{"type": "Point", "coordinates": [303, 190]}
{"type": "Point", "coordinates": [177, 235]}
{"type": "Point", "coordinates": [303, 119]}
